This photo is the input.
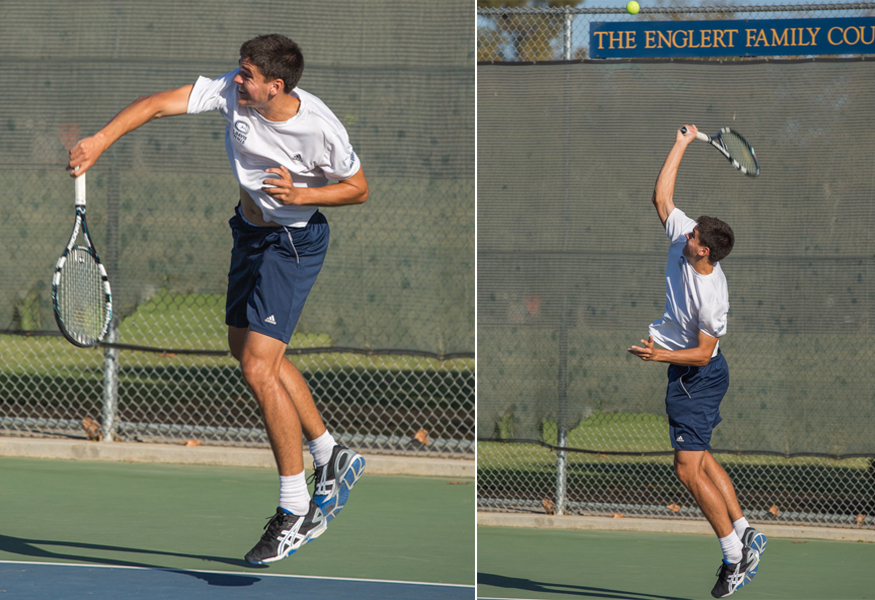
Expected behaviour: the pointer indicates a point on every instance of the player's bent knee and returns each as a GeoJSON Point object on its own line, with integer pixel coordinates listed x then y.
{"type": "Point", "coordinates": [686, 474]}
{"type": "Point", "coordinates": [255, 372]}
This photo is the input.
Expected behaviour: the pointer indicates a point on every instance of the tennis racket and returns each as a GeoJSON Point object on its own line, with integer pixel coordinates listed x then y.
{"type": "Point", "coordinates": [733, 147]}
{"type": "Point", "coordinates": [80, 288]}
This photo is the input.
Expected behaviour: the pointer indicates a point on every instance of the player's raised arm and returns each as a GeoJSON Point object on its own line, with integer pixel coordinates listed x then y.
{"type": "Point", "coordinates": [148, 108]}
{"type": "Point", "coordinates": [663, 191]}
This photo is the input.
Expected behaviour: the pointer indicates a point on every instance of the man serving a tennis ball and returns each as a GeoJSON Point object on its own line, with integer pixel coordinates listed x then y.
{"type": "Point", "coordinates": [280, 240]}
{"type": "Point", "coordinates": [687, 336]}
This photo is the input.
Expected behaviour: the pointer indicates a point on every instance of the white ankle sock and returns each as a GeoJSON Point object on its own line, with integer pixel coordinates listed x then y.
{"type": "Point", "coordinates": [294, 496]}
{"type": "Point", "coordinates": [321, 448]}
{"type": "Point", "coordinates": [731, 546]}
{"type": "Point", "coordinates": [739, 526]}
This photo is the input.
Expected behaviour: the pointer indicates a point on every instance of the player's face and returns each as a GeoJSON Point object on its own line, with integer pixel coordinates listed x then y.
{"type": "Point", "coordinates": [252, 88]}
{"type": "Point", "coordinates": [694, 246]}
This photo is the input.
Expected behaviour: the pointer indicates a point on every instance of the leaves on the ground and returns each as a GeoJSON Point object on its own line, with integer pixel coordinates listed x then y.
{"type": "Point", "coordinates": [549, 507]}
{"type": "Point", "coordinates": [92, 429]}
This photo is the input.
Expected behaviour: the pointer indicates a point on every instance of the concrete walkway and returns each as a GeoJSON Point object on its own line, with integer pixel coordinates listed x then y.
{"type": "Point", "coordinates": [489, 519]}
{"type": "Point", "coordinates": [377, 464]}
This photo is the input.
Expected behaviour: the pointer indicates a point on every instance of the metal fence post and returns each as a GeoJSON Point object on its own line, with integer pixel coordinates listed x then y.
{"type": "Point", "coordinates": [562, 413]}
{"type": "Point", "coordinates": [110, 384]}
{"type": "Point", "coordinates": [567, 33]}
{"type": "Point", "coordinates": [110, 355]}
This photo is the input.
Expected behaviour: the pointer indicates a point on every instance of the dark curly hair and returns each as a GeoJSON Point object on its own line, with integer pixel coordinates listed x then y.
{"type": "Point", "coordinates": [277, 57]}
{"type": "Point", "coordinates": [717, 236]}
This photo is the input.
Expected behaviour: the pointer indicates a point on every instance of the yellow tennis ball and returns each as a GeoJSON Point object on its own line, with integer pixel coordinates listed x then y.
{"type": "Point", "coordinates": [632, 8]}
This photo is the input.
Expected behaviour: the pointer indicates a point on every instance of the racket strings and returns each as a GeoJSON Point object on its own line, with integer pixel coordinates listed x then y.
{"type": "Point", "coordinates": [82, 297]}
{"type": "Point", "coordinates": [740, 152]}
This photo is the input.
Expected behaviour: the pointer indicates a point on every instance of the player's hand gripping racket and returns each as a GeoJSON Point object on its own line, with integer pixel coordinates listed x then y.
{"type": "Point", "coordinates": [80, 288]}
{"type": "Point", "coordinates": [733, 147]}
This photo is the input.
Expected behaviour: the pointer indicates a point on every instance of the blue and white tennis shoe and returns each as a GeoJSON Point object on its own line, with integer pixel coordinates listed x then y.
{"type": "Point", "coordinates": [334, 480]}
{"type": "Point", "coordinates": [285, 533]}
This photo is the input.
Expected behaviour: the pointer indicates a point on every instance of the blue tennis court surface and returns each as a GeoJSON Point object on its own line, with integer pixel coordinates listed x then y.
{"type": "Point", "coordinates": [28, 580]}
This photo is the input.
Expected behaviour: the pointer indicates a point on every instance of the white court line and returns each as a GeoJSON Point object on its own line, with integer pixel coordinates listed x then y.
{"type": "Point", "coordinates": [250, 573]}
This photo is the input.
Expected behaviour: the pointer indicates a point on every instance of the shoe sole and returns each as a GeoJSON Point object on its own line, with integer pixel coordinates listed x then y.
{"type": "Point", "coordinates": [748, 576]}
{"type": "Point", "coordinates": [310, 537]}
{"type": "Point", "coordinates": [758, 543]}
{"type": "Point", "coordinates": [351, 475]}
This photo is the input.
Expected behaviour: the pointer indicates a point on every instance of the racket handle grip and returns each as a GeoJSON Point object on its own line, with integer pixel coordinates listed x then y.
{"type": "Point", "coordinates": [699, 135]}
{"type": "Point", "coordinates": [80, 190]}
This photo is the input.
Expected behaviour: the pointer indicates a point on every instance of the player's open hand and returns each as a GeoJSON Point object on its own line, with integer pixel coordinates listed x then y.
{"type": "Point", "coordinates": [648, 352]}
{"type": "Point", "coordinates": [281, 186]}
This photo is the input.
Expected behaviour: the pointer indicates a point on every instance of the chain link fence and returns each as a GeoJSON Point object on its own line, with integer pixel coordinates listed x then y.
{"type": "Point", "coordinates": [540, 34]}
{"type": "Point", "coordinates": [386, 339]}
{"type": "Point", "coordinates": [389, 403]}
{"type": "Point", "coordinates": [567, 423]}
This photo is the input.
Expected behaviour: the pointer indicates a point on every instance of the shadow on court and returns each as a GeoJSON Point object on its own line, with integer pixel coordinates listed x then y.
{"type": "Point", "coordinates": [554, 564]}
{"type": "Point", "coordinates": [540, 587]}
{"type": "Point", "coordinates": [190, 519]}
{"type": "Point", "coordinates": [34, 549]}
{"type": "Point", "coordinates": [38, 581]}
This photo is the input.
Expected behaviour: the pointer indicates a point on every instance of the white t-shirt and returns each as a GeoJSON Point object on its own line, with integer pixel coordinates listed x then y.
{"type": "Point", "coordinates": [313, 145]}
{"type": "Point", "coordinates": [693, 301]}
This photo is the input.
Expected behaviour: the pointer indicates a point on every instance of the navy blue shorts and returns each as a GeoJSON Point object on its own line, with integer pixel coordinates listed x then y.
{"type": "Point", "coordinates": [692, 401]}
{"type": "Point", "coordinates": [272, 272]}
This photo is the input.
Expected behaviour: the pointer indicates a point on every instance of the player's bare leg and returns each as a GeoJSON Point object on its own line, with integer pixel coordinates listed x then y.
{"type": "Point", "coordinates": [298, 519]}
{"type": "Point", "coordinates": [294, 383]}
{"type": "Point", "coordinates": [739, 562]}
{"type": "Point", "coordinates": [690, 469]}
{"type": "Point", "coordinates": [750, 537]}
{"type": "Point", "coordinates": [721, 481]}
{"type": "Point", "coordinates": [260, 361]}
{"type": "Point", "coordinates": [337, 468]}
{"type": "Point", "coordinates": [299, 392]}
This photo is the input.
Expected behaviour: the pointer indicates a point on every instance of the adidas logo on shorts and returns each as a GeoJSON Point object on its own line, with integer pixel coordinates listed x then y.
{"type": "Point", "coordinates": [270, 320]}
{"type": "Point", "coordinates": [680, 438]}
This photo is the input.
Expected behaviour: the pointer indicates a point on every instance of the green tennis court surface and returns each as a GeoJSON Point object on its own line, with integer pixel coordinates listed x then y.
{"type": "Point", "coordinates": [206, 518]}
{"type": "Point", "coordinates": [620, 565]}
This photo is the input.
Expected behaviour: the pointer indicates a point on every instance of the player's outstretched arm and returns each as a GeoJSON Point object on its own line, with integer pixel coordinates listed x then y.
{"type": "Point", "coordinates": [148, 108]}
{"type": "Point", "coordinates": [663, 191]}
{"type": "Point", "coordinates": [353, 190]}
{"type": "Point", "coordinates": [693, 357]}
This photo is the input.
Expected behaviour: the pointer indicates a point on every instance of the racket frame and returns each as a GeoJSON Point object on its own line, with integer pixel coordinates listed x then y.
{"type": "Point", "coordinates": [717, 142]}
{"type": "Point", "coordinates": [81, 225]}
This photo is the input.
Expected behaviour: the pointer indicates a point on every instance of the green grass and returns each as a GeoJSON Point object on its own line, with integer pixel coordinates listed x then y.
{"type": "Point", "coordinates": [624, 432]}
{"type": "Point", "coordinates": [46, 377]}
{"type": "Point", "coordinates": [795, 485]}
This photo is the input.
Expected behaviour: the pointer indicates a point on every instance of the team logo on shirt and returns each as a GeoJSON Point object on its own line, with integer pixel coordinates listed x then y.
{"type": "Point", "coordinates": [241, 128]}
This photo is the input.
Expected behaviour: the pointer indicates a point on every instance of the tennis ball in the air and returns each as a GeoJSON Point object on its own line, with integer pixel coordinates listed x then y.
{"type": "Point", "coordinates": [632, 8]}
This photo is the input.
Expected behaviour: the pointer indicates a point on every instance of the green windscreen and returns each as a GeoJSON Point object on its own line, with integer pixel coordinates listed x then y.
{"type": "Point", "coordinates": [571, 254]}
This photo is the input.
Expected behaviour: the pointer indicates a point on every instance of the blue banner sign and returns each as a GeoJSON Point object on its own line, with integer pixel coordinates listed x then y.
{"type": "Point", "coordinates": [763, 37]}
